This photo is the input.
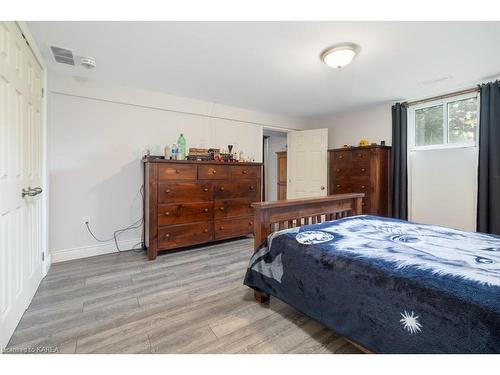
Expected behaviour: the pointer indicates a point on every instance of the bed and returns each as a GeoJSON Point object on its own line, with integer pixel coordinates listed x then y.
{"type": "Point", "coordinates": [388, 286]}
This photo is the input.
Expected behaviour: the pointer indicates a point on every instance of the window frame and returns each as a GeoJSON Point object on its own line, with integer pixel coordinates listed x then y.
{"type": "Point", "coordinates": [444, 102]}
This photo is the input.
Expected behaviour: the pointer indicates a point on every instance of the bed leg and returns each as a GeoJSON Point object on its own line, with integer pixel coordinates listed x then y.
{"type": "Point", "coordinates": [261, 297]}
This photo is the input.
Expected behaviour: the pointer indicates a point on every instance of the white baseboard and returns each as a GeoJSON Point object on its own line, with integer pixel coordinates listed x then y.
{"type": "Point", "coordinates": [93, 250]}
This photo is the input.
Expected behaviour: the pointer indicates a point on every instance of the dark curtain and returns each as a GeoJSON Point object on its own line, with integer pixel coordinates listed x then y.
{"type": "Point", "coordinates": [399, 175]}
{"type": "Point", "coordinates": [488, 199]}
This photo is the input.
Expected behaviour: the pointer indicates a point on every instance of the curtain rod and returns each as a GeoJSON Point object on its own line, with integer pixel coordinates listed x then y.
{"type": "Point", "coordinates": [445, 96]}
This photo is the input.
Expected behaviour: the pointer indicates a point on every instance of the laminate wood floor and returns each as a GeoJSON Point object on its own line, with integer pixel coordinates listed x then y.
{"type": "Point", "coordinates": [192, 301]}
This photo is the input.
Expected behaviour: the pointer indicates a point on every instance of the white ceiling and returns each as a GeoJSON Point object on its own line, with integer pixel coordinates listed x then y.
{"type": "Point", "coordinates": [275, 66]}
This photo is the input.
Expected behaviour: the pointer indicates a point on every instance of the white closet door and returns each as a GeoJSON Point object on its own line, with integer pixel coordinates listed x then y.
{"type": "Point", "coordinates": [307, 163]}
{"type": "Point", "coordinates": [20, 168]}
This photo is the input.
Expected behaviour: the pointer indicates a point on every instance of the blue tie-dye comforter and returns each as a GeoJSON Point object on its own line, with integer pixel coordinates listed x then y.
{"type": "Point", "coordinates": [391, 286]}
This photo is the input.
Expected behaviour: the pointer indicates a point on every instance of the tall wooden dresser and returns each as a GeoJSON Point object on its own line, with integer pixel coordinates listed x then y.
{"type": "Point", "coordinates": [362, 170]}
{"type": "Point", "coordinates": [282, 183]}
{"type": "Point", "coordinates": [191, 202]}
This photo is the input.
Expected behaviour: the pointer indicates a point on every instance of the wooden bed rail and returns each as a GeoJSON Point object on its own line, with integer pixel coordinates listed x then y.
{"type": "Point", "coordinates": [272, 216]}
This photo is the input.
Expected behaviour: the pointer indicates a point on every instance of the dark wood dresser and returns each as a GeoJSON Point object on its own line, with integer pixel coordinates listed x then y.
{"type": "Point", "coordinates": [282, 181]}
{"type": "Point", "coordinates": [193, 202]}
{"type": "Point", "coordinates": [362, 170]}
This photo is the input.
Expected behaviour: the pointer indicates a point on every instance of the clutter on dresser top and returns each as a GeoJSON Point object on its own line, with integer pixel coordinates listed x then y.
{"type": "Point", "coordinates": [179, 151]}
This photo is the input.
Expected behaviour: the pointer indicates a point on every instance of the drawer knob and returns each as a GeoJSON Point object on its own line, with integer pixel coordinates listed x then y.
{"type": "Point", "coordinates": [250, 223]}
{"type": "Point", "coordinates": [337, 186]}
{"type": "Point", "coordinates": [251, 187]}
{"type": "Point", "coordinates": [341, 156]}
{"type": "Point", "coordinates": [221, 227]}
{"type": "Point", "coordinates": [205, 230]}
{"type": "Point", "coordinates": [167, 213]}
{"type": "Point", "coordinates": [222, 208]}
{"type": "Point", "coordinates": [363, 169]}
{"type": "Point", "coordinates": [363, 204]}
{"type": "Point", "coordinates": [363, 187]}
{"type": "Point", "coordinates": [338, 170]}
{"type": "Point", "coordinates": [167, 235]}
{"type": "Point", "coordinates": [205, 210]}
{"type": "Point", "coordinates": [214, 171]}
{"type": "Point", "coordinates": [177, 171]}
{"type": "Point", "coordinates": [167, 191]}
{"type": "Point", "coordinates": [245, 172]}
{"type": "Point", "coordinates": [205, 189]}
{"type": "Point", "coordinates": [221, 188]}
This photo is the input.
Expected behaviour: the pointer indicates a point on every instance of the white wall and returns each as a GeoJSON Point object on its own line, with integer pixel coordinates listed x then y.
{"type": "Point", "coordinates": [442, 183]}
{"type": "Point", "coordinates": [443, 187]}
{"type": "Point", "coordinates": [373, 123]}
{"type": "Point", "coordinates": [277, 142]}
{"type": "Point", "coordinates": [97, 134]}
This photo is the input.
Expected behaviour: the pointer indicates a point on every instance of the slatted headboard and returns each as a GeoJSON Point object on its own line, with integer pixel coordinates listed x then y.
{"type": "Point", "coordinates": [277, 215]}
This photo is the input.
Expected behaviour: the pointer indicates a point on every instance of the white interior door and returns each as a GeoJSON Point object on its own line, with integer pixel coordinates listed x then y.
{"type": "Point", "coordinates": [20, 170]}
{"type": "Point", "coordinates": [307, 166]}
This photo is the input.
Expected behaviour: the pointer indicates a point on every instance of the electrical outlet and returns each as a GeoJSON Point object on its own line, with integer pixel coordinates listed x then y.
{"type": "Point", "coordinates": [86, 220]}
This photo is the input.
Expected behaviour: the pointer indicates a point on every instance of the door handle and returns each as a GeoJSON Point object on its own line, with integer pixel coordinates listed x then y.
{"type": "Point", "coordinates": [31, 192]}
{"type": "Point", "coordinates": [25, 192]}
{"type": "Point", "coordinates": [322, 188]}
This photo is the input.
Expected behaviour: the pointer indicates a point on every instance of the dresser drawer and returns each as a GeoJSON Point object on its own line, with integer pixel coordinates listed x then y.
{"type": "Point", "coordinates": [243, 172]}
{"type": "Point", "coordinates": [361, 156]}
{"type": "Point", "coordinates": [361, 187]}
{"type": "Point", "coordinates": [184, 192]}
{"type": "Point", "coordinates": [233, 228]}
{"type": "Point", "coordinates": [236, 190]}
{"type": "Point", "coordinates": [184, 235]}
{"type": "Point", "coordinates": [169, 171]}
{"type": "Point", "coordinates": [340, 187]}
{"type": "Point", "coordinates": [232, 208]}
{"type": "Point", "coordinates": [361, 171]}
{"type": "Point", "coordinates": [341, 172]}
{"type": "Point", "coordinates": [341, 157]}
{"type": "Point", "coordinates": [171, 214]}
{"type": "Point", "coordinates": [213, 172]}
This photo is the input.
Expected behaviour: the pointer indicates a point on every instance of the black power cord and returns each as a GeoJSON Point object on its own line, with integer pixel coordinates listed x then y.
{"type": "Point", "coordinates": [136, 225]}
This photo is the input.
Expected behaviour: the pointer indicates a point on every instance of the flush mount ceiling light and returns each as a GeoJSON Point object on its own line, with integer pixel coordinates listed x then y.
{"type": "Point", "coordinates": [339, 56]}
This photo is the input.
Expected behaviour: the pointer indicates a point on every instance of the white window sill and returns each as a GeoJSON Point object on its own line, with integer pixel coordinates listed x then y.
{"type": "Point", "coordinates": [442, 147]}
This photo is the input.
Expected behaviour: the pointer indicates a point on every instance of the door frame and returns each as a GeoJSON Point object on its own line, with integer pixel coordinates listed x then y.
{"type": "Point", "coordinates": [47, 261]}
{"type": "Point", "coordinates": [265, 168]}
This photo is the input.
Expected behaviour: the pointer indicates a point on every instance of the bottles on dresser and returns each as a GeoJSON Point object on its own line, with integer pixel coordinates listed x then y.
{"type": "Point", "coordinates": [181, 142]}
{"type": "Point", "coordinates": [174, 152]}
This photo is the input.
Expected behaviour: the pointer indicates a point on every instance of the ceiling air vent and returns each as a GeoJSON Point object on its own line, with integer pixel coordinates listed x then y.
{"type": "Point", "coordinates": [63, 55]}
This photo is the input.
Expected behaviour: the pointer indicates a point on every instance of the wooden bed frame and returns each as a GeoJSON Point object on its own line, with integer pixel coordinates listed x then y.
{"type": "Point", "coordinates": [272, 216]}
{"type": "Point", "coordinates": [277, 215]}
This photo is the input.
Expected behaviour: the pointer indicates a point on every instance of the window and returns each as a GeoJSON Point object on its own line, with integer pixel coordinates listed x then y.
{"type": "Point", "coordinates": [429, 126]}
{"type": "Point", "coordinates": [451, 122]}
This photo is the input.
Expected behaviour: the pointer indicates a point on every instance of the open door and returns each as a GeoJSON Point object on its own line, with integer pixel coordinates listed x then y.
{"type": "Point", "coordinates": [307, 163]}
